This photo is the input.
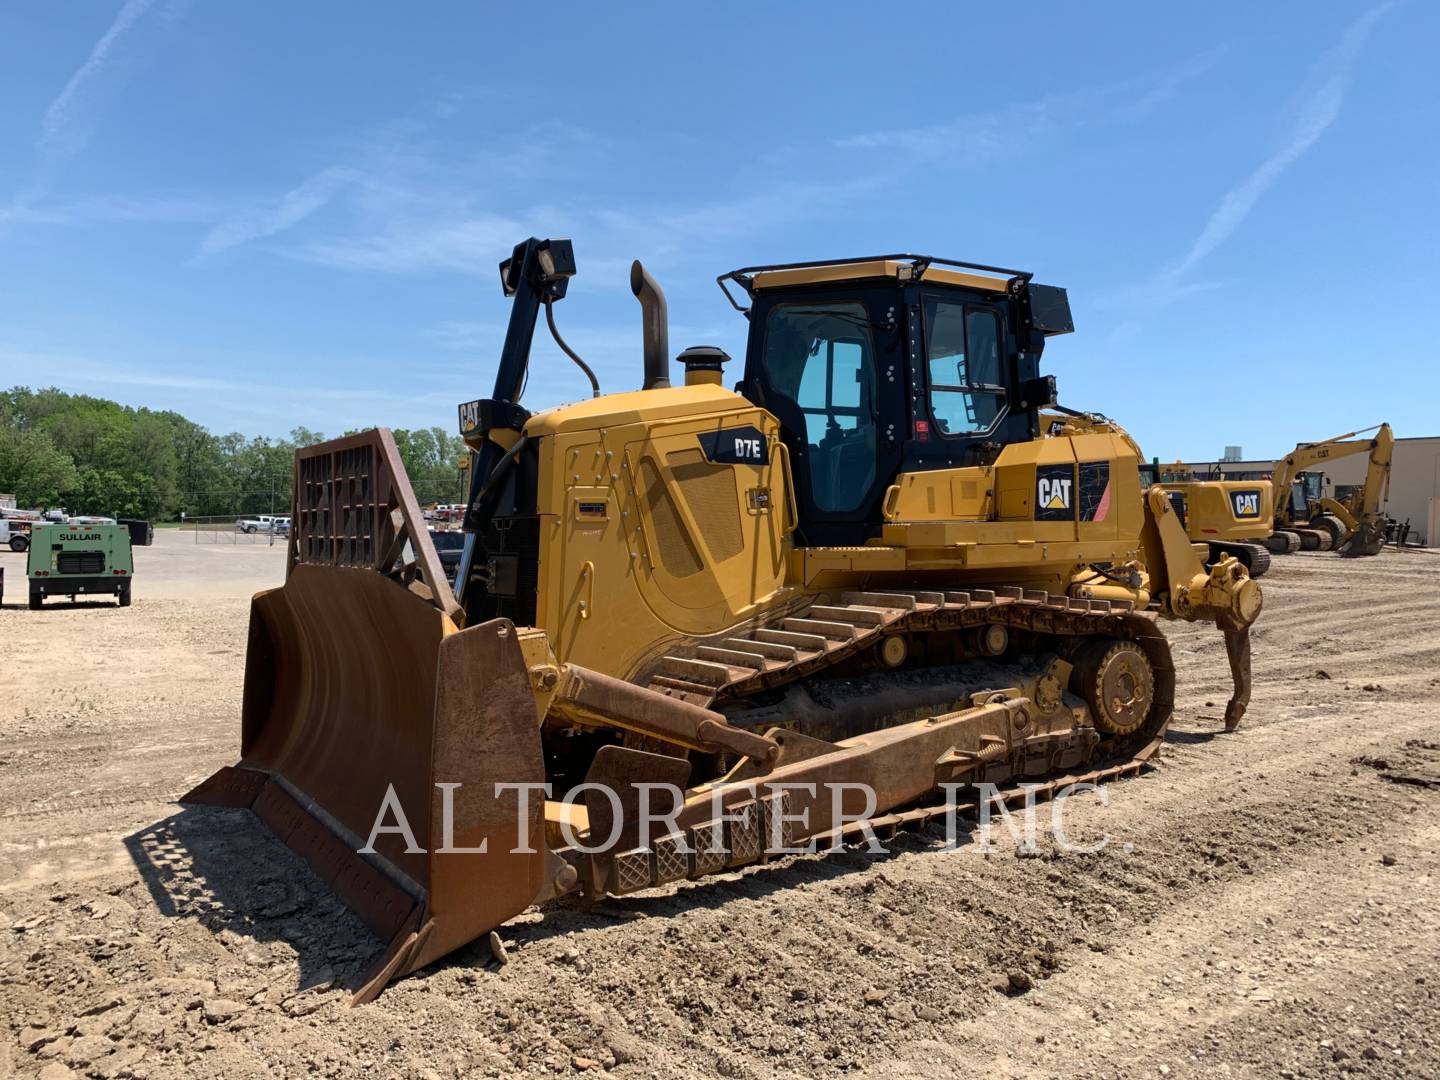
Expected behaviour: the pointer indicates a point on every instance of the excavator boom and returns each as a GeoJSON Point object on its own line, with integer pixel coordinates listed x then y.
{"type": "Point", "coordinates": [1355, 528]}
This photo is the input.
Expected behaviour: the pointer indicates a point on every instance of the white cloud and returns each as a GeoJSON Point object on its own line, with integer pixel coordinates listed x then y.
{"type": "Point", "coordinates": [1318, 106]}
{"type": "Point", "coordinates": [284, 213]}
{"type": "Point", "coordinates": [67, 126]}
{"type": "Point", "coordinates": [977, 138]}
{"type": "Point", "coordinates": [1317, 111]}
{"type": "Point", "coordinates": [267, 407]}
{"type": "Point", "coordinates": [409, 246]}
{"type": "Point", "coordinates": [120, 209]}
{"type": "Point", "coordinates": [63, 133]}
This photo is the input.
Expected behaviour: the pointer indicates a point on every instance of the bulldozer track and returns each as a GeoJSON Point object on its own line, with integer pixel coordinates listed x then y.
{"type": "Point", "coordinates": [744, 843]}
{"type": "Point", "coordinates": [800, 644]}
{"type": "Point", "coordinates": [886, 826]}
{"type": "Point", "coordinates": [1282, 542]}
{"type": "Point", "coordinates": [797, 645]}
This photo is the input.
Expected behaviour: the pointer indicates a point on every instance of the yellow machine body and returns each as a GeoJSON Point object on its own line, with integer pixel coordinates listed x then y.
{"type": "Point", "coordinates": [1230, 517]}
{"type": "Point", "coordinates": [644, 542]}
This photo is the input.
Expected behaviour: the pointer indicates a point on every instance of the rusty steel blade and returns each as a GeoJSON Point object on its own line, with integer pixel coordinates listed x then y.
{"type": "Point", "coordinates": [360, 686]}
{"type": "Point", "coordinates": [354, 688]}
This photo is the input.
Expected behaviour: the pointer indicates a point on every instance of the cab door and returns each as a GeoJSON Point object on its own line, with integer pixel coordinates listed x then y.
{"type": "Point", "coordinates": [821, 371]}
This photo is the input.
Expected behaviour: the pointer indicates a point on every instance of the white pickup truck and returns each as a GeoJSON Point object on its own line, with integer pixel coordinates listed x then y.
{"type": "Point", "coordinates": [264, 523]}
{"type": "Point", "coordinates": [15, 533]}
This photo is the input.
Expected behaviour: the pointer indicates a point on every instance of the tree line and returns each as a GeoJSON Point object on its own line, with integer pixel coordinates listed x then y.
{"type": "Point", "coordinates": [91, 455]}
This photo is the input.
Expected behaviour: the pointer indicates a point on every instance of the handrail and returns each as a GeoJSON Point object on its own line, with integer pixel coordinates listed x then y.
{"type": "Point", "coordinates": [792, 508]}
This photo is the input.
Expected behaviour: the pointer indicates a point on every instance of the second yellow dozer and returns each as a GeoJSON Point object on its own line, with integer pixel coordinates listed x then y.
{"type": "Point", "coordinates": [885, 570]}
{"type": "Point", "coordinates": [1230, 517]}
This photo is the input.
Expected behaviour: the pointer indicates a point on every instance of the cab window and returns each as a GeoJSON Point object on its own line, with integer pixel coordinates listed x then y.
{"type": "Point", "coordinates": [962, 353]}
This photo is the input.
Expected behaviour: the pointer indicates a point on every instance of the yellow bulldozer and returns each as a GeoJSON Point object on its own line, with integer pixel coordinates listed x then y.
{"type": "Point", "coordinates": [1307, 519]}
{"type": "Point", "coordinates": [1230, 517]}
{"type": "Point", "coordinates": [884, 571]}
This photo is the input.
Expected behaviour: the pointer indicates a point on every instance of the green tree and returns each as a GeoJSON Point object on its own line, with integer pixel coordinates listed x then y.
{"type": "Point", "coordinates": [96, 456]}
{"type": "Point", "coordinates": [33, 468]}
{"type": "Point", "coordinates": [431, 457]}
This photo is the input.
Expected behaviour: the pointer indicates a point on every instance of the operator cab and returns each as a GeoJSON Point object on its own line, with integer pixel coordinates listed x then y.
{"type": "Point", "coordinates": [899, 363]}
{"type": "Point", "coordinates": [1304, 490]}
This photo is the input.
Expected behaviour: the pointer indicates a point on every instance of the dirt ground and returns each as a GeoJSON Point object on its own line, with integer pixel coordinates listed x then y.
{"type": "Point", "coordinates": [1267, 904]}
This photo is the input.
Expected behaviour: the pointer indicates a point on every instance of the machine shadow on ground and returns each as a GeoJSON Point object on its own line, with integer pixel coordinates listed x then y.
{"type": "Point", "coordinates": [59, 605]}
{"type": "Point", "coordinates": [226, 870]}
{"type": "Point", "coordinates": [1194, 738]}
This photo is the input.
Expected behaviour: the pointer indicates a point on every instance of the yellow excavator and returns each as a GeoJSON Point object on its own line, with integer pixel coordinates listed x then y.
{"type": "Point", "coordinates": [885, 575]}
{"type": "Point", "coordinates": [1307, 519]}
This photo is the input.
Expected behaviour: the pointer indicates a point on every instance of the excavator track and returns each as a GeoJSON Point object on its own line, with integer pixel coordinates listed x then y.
{"type": "Point", "coordinates": [1282, 542]}
{"type": "Point", "coordinates": [1258, 562]}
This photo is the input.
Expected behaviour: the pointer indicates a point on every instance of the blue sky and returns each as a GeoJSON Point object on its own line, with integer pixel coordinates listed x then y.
{"type": "Point", "coordinates": [268, 215]}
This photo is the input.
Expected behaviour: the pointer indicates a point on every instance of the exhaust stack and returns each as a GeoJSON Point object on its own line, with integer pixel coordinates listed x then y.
{"type": "Point", "coordinates": [656, 324]}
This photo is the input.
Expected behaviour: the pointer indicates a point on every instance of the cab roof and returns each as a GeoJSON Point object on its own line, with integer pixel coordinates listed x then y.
{"type": "Point", "coordinates": [930, 268]}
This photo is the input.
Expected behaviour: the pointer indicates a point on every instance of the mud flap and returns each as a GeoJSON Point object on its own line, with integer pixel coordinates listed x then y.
{"type": "Point", "coordinates": [360, 695]}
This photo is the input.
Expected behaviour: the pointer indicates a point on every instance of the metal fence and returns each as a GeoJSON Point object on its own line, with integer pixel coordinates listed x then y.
{"type": "Point", "coordinates": [226, 529]}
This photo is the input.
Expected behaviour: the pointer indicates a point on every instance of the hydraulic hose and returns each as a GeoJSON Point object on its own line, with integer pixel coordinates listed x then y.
{"type": "Point", "coordinates": [550, 321]}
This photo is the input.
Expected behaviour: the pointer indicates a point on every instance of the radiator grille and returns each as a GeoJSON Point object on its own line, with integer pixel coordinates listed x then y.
{"type": "Point", "coordinates": [710, 492]}
{"type": "Point", "coordinates": [677, 551]}
{"type": "Point", "coordinates": [80, 562]}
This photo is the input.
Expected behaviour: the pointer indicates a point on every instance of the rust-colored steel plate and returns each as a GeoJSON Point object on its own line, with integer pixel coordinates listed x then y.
{"type": "Point", "coordinates": [355, 687]}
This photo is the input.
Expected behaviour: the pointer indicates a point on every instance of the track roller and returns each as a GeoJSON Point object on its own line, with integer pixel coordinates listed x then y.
{"type": "Point", "coordinates": [991, 640]}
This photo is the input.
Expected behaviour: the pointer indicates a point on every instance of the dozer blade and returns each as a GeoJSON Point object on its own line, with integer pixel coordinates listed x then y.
{"type": "Point", "coordinates": [362, 695]}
